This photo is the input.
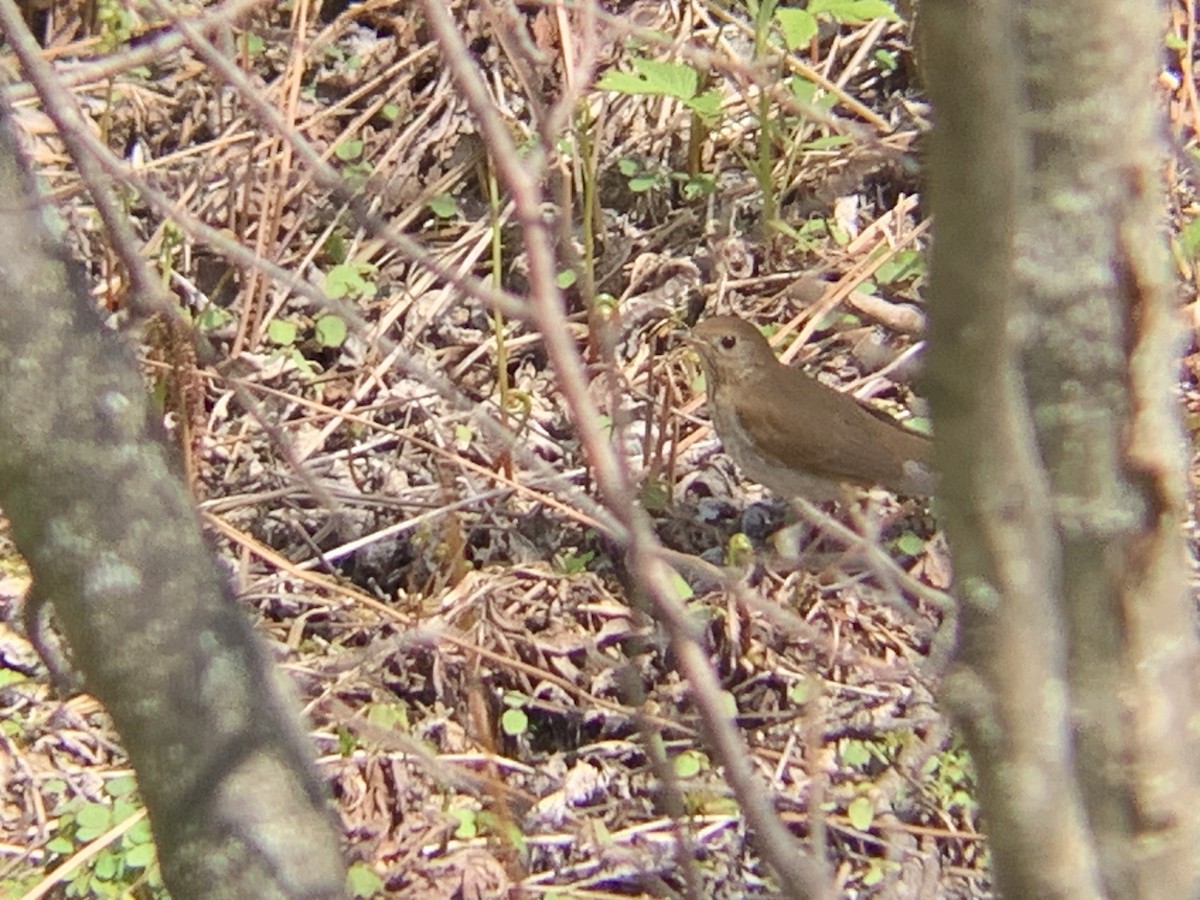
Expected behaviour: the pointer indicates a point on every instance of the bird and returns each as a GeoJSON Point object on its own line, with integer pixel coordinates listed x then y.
{"type": "Point", "coordinates": [795, 435]}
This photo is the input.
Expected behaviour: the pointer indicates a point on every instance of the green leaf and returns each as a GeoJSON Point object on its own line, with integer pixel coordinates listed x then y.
{"type": "Point", "coordinates": [642, 183]}
{"type": "Point", "coordinates": [861, 812]}
{"type": "Point", "coordinates": [468, 824]}
{"type": "Point", "coordinates": [330, 331]}
{"type": "Point", "coordinates": [566, 278]}
{"type": "Point", "coordinates": [699, 185]}
{"type": "Point", "coordinates": [94, 815]}
{"type": "Point", "coordinates": [909, 544]}
{"type": "Point", "coordinates": [622, 82]}
{"type": "Point", "coordinates": [674, 79]}
{"type": "Point", "coordinates": [388, 716]}
{"type": "Point", "coordinates": [282, 332]}
{"type": "Point", "coordinates": [348, 151]}
{"type": "Point", "coordinates": [503, 826]}
{"type": "Point", "coordinates": [722, 806]}
{"type": "Point", "coordinates": [804, 90]}
{"type": "Point", "coordinates": [1189, 238]}
{"type": "Point", "coordinates": [93, 820]}
{"type": "Point", "coordinates": [444, 206]}
{"type": "Point", "coordinates": [798, 26]}
{"type": "Point", "coordinates": [356, 173]}
{"type": "Point", "coordinates": [141, 856]}
{"type": "Point", "coordinates": [905, 264]}
{"type": "Point", "coordinates": [654, 495]}
{"type": "Point", "coordinates": [335, 247]}
{"type": "Point", "coordinates": [853, 12]}
{"type": "Point", "coordinates": [875, 873]}
{"type": "Point", "coordinates": [854, 753]}
{"type": "Point", "coordinates": [811, 94]}
{"type": "Point", "coordinates": [573, 562]}
{"type": "Point", "coordinates": [814, 228]}
{"type": "Point", "coordinates": [140, 833]}
{"type": "Point", "coordinates": [343, 280]}
{"type": "Point", "coordinates": [690, 763]}
{"type": "Point", "coordinates": [800, 692]}
{"type": "Point", "coordinates": [60, 845]}
{"type": "Point", "coordinates": [653, 77]}
{"type": "Point", "coordinates": [919, 424]}
{"type": "Point", "coordinates": [302, 364]}
{"type": "Point", "coordinates": [124, 809]}
{"type": "Point", "coordinates": [348, 280]}
{"type": "Point", "coordinates": [104, 866]}
{"type": "Point", "coordinates": [252, 44]}
{"type": "Point", "coordinates": [363, 881]}
{"type": "Point", "coordinates": [838, 233]}
{"type": "Point", "coordinates": [123, 786]}
{"type": "Point", "coordinates": [707, 105]}
{"type": "Point", "coordinates": [739, 551]}
{"type": "Point", "coordinates": [831, 142]}
{"type": "Point", "coordinates": [683, 591]}
{"type": "Point", "coordinates": [213, 318]}
{"type": "Point", "coordinates": [347, 743]}
{"type": "Point", "coordinates": [514, 722]}
{"type": "Point", "coordinates": [154, 879]}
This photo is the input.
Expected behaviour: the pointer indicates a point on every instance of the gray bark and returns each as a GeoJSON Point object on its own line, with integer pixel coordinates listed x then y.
{"type": "Point", "coordinates": [1060, 444]}
{"type": "Point", "coordinates": [113, 543]}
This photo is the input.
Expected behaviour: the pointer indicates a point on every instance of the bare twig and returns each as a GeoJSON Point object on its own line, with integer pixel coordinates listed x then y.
{"type": "Point", "coordinates": [328, 178]}
{"type": "Point", "coordinates": [147, 51]}
{"type": "Point", "coordinates": [62, 108]}
{"type": "Point", "coordinates": [799, 876]}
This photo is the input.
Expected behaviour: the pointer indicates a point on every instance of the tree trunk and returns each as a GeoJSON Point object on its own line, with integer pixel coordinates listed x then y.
{"type": "Point", "coordinates": [109, 533]}
{"type": "Point", "coordinates": [1052, 377]}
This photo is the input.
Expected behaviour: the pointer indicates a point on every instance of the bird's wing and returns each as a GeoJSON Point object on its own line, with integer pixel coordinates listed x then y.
{"type": "Point", "coordinates": [840, 439]}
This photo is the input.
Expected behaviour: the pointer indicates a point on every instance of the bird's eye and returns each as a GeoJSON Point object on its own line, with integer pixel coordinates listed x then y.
{"type": "Point", "coordinates": [728, 342]}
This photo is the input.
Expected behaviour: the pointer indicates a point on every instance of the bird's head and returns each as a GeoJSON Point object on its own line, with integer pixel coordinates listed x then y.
{"type": "Point", "coordinates": [732, 351]}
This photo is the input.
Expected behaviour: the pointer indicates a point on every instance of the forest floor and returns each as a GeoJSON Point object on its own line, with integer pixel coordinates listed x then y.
{"type": "Point", "coordinates": [396, 484]}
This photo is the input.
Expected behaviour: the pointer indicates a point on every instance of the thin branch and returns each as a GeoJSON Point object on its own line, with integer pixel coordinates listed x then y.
{"type": "Point", "coordinates": [799, 876]}
{"type": "Point", "coordinates": [61, 107]}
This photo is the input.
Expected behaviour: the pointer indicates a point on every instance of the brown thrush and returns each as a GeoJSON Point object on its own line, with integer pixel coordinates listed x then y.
{"type": "Point", "coordinates": [793, 434]}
